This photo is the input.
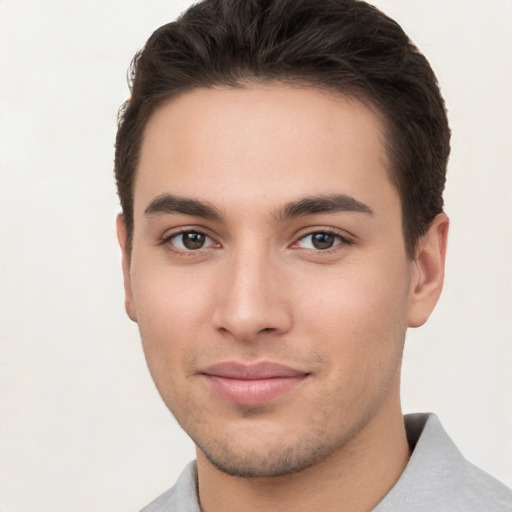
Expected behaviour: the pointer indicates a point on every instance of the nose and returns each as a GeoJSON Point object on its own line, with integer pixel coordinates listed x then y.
{"type": "Point", "coordinates": [252, 300]}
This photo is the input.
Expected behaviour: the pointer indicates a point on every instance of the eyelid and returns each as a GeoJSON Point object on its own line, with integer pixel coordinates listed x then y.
{"type": "Point", "coordinates": [343, 236]}
{"type": "Point", "coordinates": [168, 237]}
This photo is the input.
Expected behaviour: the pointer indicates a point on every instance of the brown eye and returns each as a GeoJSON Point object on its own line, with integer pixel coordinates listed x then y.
{"type": "Point", "coordinates": [320, 241]}
{"type": "Point", "coordinates": [190, 241]}
{"type": "Point", "coordinates": [323, 240]}
{"type": "Point", "coordinates": [193, 240]}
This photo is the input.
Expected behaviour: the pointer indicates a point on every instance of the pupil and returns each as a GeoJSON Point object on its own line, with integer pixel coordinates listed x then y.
{"type": "Point", "coordinates": [193, 240]}
{"type": "Point", "coordinates": [323, 240]}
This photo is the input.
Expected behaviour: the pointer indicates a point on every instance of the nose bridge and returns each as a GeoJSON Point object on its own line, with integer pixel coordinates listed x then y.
{"type": "Point", "coordinates": [250, 299]}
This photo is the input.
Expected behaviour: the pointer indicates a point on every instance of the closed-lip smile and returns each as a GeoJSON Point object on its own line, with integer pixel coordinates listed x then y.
{"type": "Point", "coordinates": [252, 384]}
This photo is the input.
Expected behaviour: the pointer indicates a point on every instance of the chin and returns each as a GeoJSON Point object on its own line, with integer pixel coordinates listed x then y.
{"type": "Point", "coordinates": [262, 459]}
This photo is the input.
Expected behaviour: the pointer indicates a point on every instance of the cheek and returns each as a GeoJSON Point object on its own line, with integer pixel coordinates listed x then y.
{"type": "Point", "coordinates": [168, 297]}
{"type": "Point", "coordinates": [172, 315]}
{"type": "Point", "coordinates": [168, 323]}
{"type": "Point", "coordinates": [360, 330]}
{"type": "Point", "coordinates": [359, 316]}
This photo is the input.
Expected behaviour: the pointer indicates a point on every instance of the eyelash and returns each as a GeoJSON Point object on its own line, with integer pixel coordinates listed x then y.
{"type": "Point", "coordinates": [342, 240]}
{"type": "Point", "coordinates": [167, 241]}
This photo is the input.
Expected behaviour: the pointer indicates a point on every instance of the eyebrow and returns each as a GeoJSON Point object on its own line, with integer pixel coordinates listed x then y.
{"type": "Point", "coordinates": [168, 204]}
{"type": "Point", "coordinates": [332, 203]}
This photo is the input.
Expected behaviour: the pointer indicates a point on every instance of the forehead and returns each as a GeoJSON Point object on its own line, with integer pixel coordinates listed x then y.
{"type": "Point", "coordinates": [261, 145]}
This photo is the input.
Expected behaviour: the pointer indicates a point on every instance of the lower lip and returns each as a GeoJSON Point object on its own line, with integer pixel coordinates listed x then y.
{"type": "Point", "coordinates": [253, 392]}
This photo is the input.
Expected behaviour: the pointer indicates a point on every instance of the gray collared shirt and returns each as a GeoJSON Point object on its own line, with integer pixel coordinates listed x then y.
{"type": "Point", "coordinates": [436, 479]}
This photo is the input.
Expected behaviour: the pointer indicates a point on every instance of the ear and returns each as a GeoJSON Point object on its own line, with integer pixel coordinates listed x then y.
{"type": "Point", "coordinates": [123, 243]}
{"type": "Point", "coordinates": [428, 276]}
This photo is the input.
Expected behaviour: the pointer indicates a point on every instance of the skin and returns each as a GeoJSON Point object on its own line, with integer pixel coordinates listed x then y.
{"type": "Point", "coordinates": [259, 291]}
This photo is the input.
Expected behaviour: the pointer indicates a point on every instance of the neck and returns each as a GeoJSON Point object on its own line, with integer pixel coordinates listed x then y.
{"type": "Point", "coordinates": [355, 478]}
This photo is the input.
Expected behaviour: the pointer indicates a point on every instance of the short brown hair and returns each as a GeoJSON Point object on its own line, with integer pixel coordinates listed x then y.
{"type": "Point", "coordinates": [347, 46]}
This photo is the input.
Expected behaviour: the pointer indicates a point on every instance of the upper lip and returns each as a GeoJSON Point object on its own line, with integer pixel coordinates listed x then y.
{"type": "Point", "coordinates": [256, 371]}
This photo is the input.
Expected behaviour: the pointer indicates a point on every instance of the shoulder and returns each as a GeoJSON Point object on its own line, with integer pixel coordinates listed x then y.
{"type": "Point", "coordinates": [181, 497]}
{"type": "Point", "coordinates": [438, 477]}
{"type": "Point", "coordinates": [484, 492]}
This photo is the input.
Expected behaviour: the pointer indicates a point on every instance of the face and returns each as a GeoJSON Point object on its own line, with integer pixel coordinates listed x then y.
{"type": "Point", "coordinates": [268, 273]}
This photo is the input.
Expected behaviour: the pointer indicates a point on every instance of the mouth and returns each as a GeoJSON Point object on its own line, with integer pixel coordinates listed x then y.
{"type": "Point", "coordinates": [252, 385]}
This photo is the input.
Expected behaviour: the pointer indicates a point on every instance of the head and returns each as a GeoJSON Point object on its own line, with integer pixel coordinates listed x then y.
{"type": "Point", "coordinates": [280, 167]}
{"type": "Point", "coordinates": [342, 46]}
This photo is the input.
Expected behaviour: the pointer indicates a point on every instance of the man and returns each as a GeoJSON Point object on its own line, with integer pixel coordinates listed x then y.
{"type": "Point", "coordinates": [280, 166]}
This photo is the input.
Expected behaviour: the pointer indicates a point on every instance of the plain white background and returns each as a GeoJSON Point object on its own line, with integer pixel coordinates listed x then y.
{"type": "Point", "coordinates": [81, 425]}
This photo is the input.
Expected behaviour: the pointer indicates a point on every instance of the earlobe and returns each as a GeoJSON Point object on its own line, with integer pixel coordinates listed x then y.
{"type": "Point", "coordinates": [123, 243]}
{"type": "Point", "coordinates": [429, 275]}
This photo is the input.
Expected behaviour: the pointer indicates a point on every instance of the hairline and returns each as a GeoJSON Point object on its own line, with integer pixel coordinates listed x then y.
{"type": "Point", "coordinates": [346, 91]}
